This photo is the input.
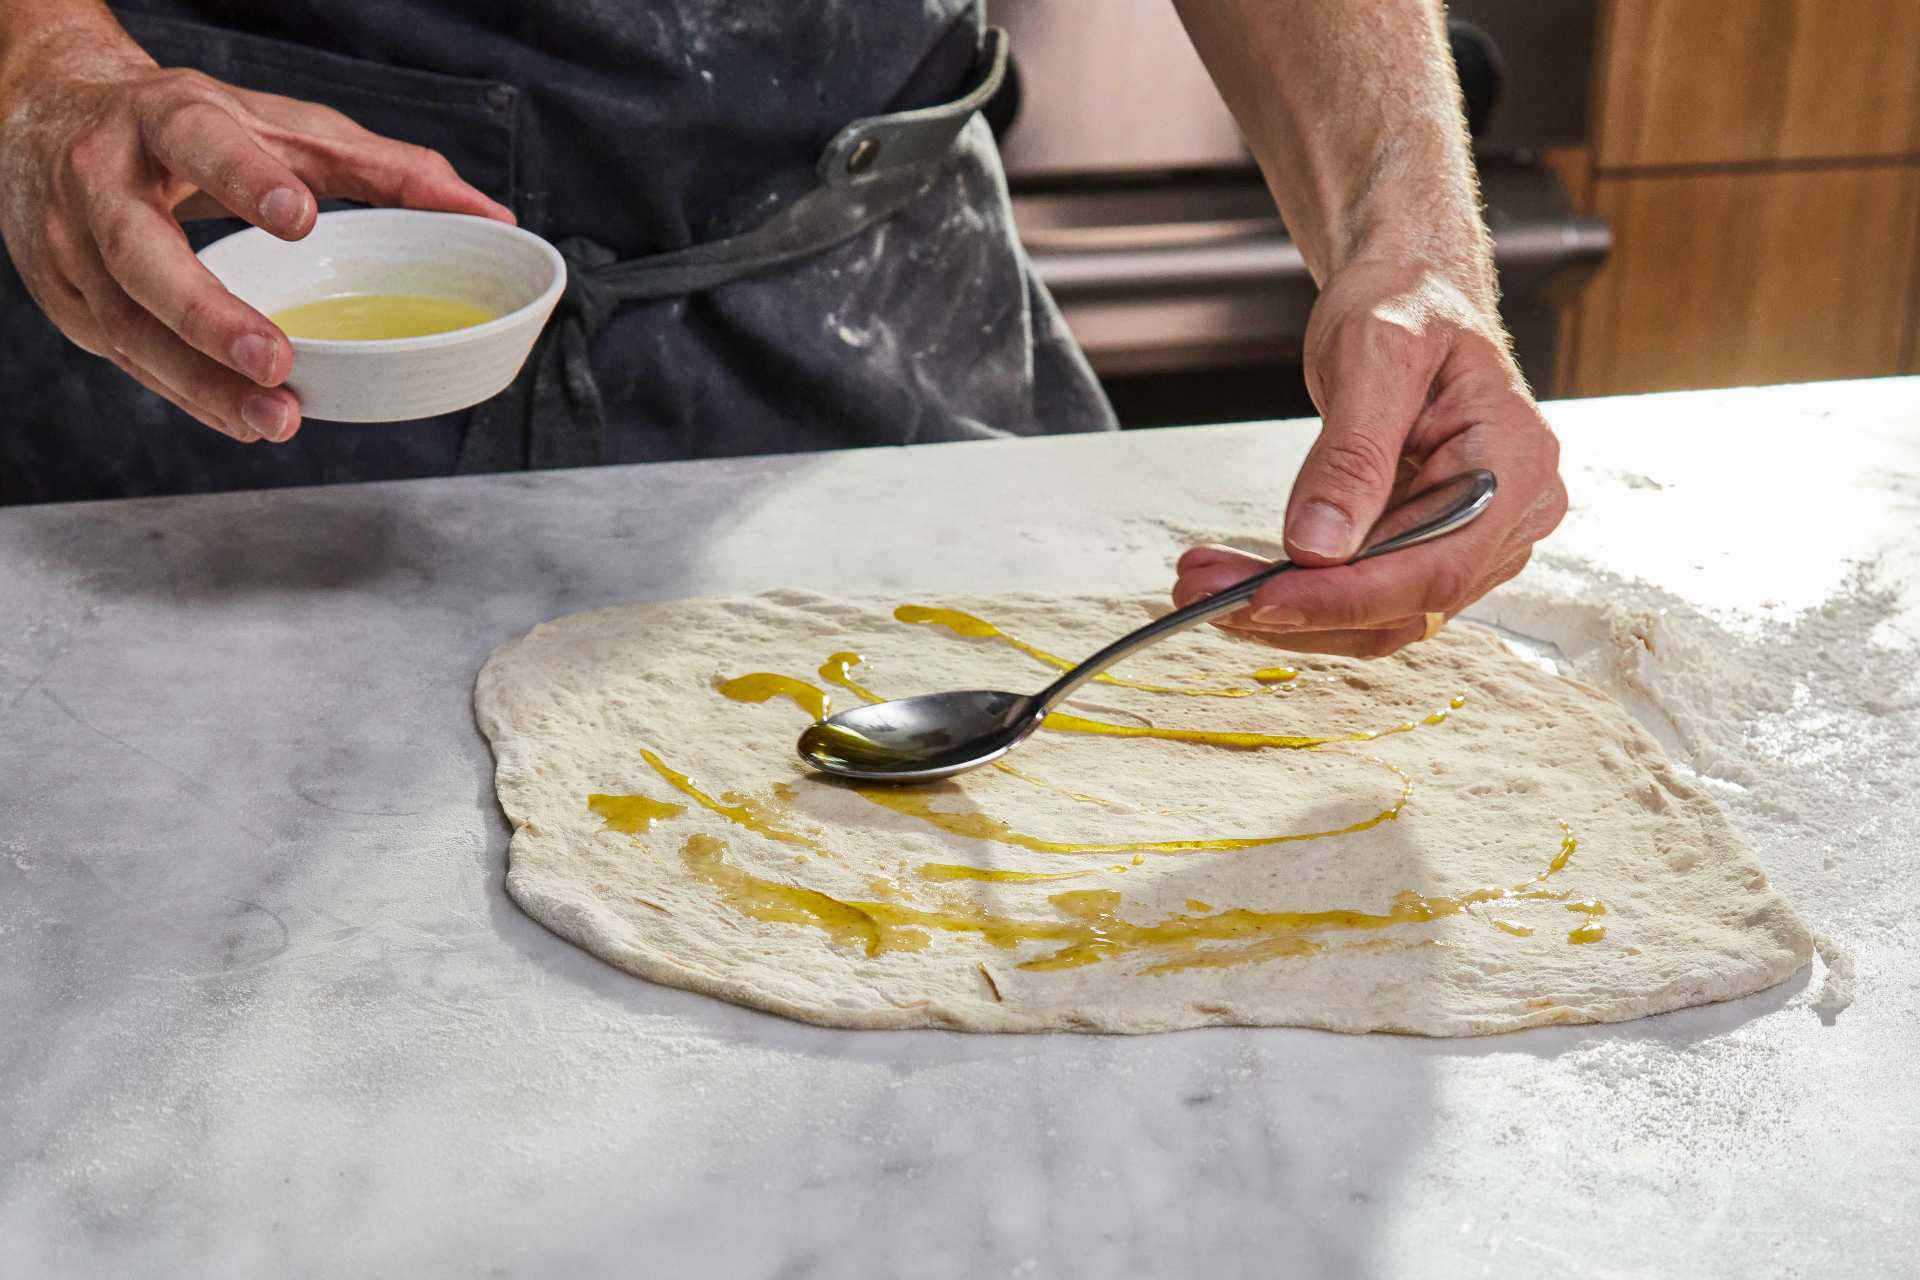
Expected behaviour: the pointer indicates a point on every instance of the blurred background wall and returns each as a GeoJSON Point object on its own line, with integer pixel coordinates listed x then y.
{"type": "Point", "coordinates": [1683, 193]}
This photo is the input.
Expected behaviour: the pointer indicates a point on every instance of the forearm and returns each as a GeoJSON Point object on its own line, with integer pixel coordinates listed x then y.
{"type": "Point", "coordinates": [1352, 110]}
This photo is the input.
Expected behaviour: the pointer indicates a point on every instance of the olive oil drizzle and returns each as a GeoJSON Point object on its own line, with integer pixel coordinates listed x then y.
{"type": "Point", "coordinates": [1089, 927]}
{"type": "Point", "coordinates": [965, 624]}
{"type": "Point", "coordinates": [838, 669]}
{"type": "Point", "coordinates": [914, 803]}
{"type": "Point", "coordinates": [1591, 930]}
{"type": "Point", "coordinates": [1093, 929]}
{"type": "Point", "coordinates": [1082, 796]}
{"type": "Point", "coordinates": [740, 810]}
{"type": "Point", "coordinates": [632, 815]}
{"type": "Point", "coordinates": [966, 871]}
{"type": "Point", "coordinates": [908, 802]}
{"type": "Point", "coordinates": [761, 686]}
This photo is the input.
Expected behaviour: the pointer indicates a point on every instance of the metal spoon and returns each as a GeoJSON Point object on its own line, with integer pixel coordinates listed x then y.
{"type": "Point", "coordinates": [938, 734]}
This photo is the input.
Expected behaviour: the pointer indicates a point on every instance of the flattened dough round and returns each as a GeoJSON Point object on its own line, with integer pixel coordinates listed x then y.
{"type": "Point", "coordinates": [859, 909]}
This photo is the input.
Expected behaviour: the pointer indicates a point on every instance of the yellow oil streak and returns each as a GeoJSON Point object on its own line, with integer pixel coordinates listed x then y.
{"type": "Point", "coordinates": [741, 810]}
{"type": "Point", "coordinates": [632, 815]}
{"type": "Point", "coordinates": [918, 803]}
{"type": "Point", "coordinates": [1091, 929]}
{"type": "Point", "coordinates": [764, 685]}
{"type": "Point", "coordinates": [1055, 787]}
{"type": "Point", "coordinates": [1063, 722]}
{"type": "Point", "coordinates": [847, 923]}
{"type": "Point", "coordinates": [965, 624]}
{"type": "Point", "coordinates": [961, 871]}
{"type": "Point", "coordinates": [1592, 930]}
{"type": "Point", "coordinates": [838, 669]}
{"type": "Point", "coordinates": [1087, 927]}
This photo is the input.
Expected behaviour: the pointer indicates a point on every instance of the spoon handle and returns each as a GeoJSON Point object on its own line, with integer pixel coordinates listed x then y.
{"type": "Point", "coordinates": [1425, 515]}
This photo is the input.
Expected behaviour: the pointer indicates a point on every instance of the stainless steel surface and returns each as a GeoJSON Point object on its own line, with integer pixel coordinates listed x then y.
{"type": "Point", "coordinates": [940, 734]}
{"type": "Point", "coordinates": [1255, 253]}
{"type": "Point", "coordinates": [1200, 272]}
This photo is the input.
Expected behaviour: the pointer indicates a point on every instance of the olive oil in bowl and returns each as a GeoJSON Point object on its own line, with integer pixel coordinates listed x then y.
{"type": "Point", "coordinates": [370, 317]}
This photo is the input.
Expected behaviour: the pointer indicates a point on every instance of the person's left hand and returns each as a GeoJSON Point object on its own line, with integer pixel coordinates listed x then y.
{"type": "Point", "coordinates": [1415, 384]}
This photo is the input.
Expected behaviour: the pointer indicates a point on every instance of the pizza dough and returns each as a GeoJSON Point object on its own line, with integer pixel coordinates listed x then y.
{"type": "Point", "coordinates": [1512, 851]}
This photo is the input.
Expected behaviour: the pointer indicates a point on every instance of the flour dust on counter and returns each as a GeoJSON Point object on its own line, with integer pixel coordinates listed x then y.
{"type": "Point", "coordinates": [1446, 842]}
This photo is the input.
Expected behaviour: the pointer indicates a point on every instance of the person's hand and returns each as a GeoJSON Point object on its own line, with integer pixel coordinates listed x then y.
{"type": "Point", "coordinates": [1414, 384]}
{"type": "Point", "coordinates": [103, 153]}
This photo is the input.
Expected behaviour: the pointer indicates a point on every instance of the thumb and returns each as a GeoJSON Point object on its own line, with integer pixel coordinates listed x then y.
{"type": "Point", "coordinates": [1368, 410]}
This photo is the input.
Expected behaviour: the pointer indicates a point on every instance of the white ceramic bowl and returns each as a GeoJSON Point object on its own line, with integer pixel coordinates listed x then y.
{"type": "Point", "coordinates": [448, 255]}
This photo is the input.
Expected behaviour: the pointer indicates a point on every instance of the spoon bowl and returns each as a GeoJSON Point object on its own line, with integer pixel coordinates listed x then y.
{"type": "Point", "coordinates": [936, 735]}
{"type": "Point", "coordinates": [922, 738]}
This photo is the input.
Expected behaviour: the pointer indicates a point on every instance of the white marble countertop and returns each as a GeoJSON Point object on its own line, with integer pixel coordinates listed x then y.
{"type": "Point", "coordinates": [266, 1009]}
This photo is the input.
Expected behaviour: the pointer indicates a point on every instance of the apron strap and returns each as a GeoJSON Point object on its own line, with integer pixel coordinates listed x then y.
{"type": "Point", "coordinates": [552, 415]}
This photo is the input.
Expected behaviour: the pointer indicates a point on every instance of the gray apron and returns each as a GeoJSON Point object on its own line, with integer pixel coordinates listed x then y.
{"type": "Point", "coordinates": [786, 230]}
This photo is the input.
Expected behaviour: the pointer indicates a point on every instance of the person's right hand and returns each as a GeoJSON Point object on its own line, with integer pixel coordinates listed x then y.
{"type": "Point", "coordinates": [103, 154]}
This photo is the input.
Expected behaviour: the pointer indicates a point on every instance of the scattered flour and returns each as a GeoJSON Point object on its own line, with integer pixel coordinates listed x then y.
{"type": "Point", "coordinates": [1801, 727]}
{"type": "Point", "coordinates": [1774, 717]}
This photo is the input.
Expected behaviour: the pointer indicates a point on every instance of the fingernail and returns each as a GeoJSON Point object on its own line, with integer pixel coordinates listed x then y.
{"type": "Point", "coordinates": [253, 356]}
{"type": "Point", "coordinates": [1277, 615]}
{"type": "Point", "coordinates": [1323, 530]}
{"type": "Point", "coordinates": [267, 415]}
{"type": "Point", "coordinates": [283, 208]}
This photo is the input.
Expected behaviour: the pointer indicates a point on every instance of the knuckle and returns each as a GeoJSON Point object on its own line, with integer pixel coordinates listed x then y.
{"type": "Point", "coordinates": [199, 321]}
{"type": "Point", "coordinates": [86, 159]}
{"type": "Point", "coordinates": [178, 89]}
{"type": "Point", "coordinates": [55, 236]}
{"type": "Point", "coordinates": [422, 166]}
{"type": "Point", "coordinates": [183, 80]}
{"type": "Point", "coordinates": [1389, 341]}
{"type": "Point", "coordinates": [317, 117]}
{"type": "Point", "coordinates": [116, 238]}
{"type": "Point", "coordinates": [1357, 461]}
{"type": "Point", "coordinates": [178, 118]}
{"type": "Point", "coordinates": [335, 120]}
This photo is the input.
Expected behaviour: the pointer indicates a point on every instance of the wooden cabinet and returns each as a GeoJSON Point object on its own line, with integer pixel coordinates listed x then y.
{"type": "Point", "coordinates": [1708, 81]}
{"type": "Point", "coordinates": [1760, 165]}
{"type": "Point", "coordinates": [1727, 279]}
